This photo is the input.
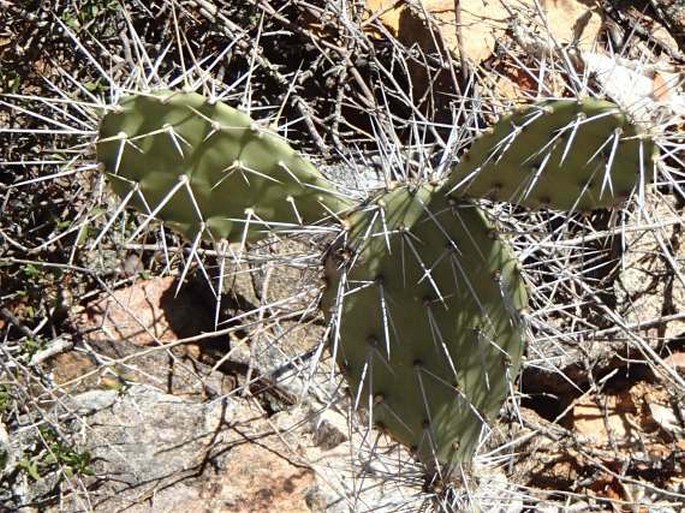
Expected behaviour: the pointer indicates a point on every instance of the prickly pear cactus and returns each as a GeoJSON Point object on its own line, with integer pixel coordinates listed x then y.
{"type": "Point", "coordinates": [562, 154]}
{"type": "Point", "coordinates": [206, 169]}
{"type": "Point", "coordinates": [427, 326]}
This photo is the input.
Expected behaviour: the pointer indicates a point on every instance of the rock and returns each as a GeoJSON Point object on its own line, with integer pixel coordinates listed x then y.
{"type": "Point", "coordinates": [330, 429]}
{"type": "Point", "coordinates": [91, 401]}
{"type": "Point", "coordinates": [7, 456]}
{"type": "Point", "coordinates": [147, 436]}
{"type": "Point", "coordinates": [130, 325]}
{"type": "Point", "coordinates": [598, 422]}
{"type": "Point", "coordinates": [152, 452]}
{"type": "Point", "coordinates": [482, 23]}
{"type": "Point", "coordinates": [650, 288]}
{"type": "Point", "coordinates": [147, 313]}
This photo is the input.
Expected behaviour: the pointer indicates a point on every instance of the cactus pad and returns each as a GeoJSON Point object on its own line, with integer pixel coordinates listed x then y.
{"type": "Point", "coordinates": [207, 169]}
{"type": "Point", "coordinates": [426, 320]}
{"type": "Point", "coordinates": [562, 154]}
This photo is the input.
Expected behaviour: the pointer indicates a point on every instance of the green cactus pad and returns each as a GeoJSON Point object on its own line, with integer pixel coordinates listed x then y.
{"type": "Point", "coordinates": [561, 154]}
{"type": "Point", "coordinates": [205, 168]}
{"type": "Point", "coordinates": [426, 320]}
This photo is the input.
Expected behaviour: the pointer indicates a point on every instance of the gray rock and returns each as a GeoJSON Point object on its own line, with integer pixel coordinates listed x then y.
{"type": "Point", "coordinates": [330, 429]}
{"type": "Point", "coordinates": [149, 435]}
{"type": "Point", "coordinates": [144, 441]}
{"type": "Point", "coordinates": [91, 401]}
{"type": "Point", "coordinates": [6, 454]}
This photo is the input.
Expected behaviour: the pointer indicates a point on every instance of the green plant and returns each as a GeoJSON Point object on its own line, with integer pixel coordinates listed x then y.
{"type": "Point", "coordinates": [564, 154]}
{"type": "Point", "coordinates": [72, 462]}
{"type": "Point", "coordinates": [430, 332]}
{"type": "Point", "coordinates": [208, 170]}
{"type": "Point", "coordinates": [6, 399]}
{"type": "Point", "coordinates": [86, 12]}
{"type": "Point", "coordinates": [56, 456]}
{"type": "Point", "coordinates": [31, 346]}
{"type": "Point", "coordinates": [426, 309]}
